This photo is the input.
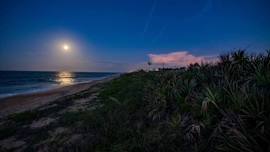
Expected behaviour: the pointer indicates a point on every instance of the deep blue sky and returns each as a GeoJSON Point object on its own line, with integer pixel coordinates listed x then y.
{"type": "Point", "coordinates": [116, 35]}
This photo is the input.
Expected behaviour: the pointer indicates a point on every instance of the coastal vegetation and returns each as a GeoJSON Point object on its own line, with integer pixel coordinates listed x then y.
{"type": "Point", "coordinates": [205, 107]}
{"type": "Point", "coordinates": [222, 106]}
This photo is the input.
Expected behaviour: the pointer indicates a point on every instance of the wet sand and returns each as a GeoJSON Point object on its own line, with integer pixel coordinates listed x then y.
{"type": "Point", "coordinates": [20, 103]}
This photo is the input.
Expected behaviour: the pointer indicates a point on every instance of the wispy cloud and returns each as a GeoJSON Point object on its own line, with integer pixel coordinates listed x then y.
{"type": "Point", "coordinates": [150, 16]}
{"type": "Point", "coordinates": [181, 58]}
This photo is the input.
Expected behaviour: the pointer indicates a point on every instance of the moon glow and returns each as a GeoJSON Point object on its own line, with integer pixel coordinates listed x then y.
{"type": "Point", "coordinates": [65, 47]}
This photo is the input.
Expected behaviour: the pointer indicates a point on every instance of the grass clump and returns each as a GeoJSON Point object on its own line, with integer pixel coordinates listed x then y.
{"type": "Point", "coordinates": [25, 117]}
{"type": "Point", "coordinates": [71, 118]}
{"type": "Point", "coordinates": [7, 131]}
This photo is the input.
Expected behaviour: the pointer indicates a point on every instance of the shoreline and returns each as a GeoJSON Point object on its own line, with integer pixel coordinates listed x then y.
{"type": "Point", "coordinates": [29, 101]}
{"type": "Point", "coordinates": [46, 89]}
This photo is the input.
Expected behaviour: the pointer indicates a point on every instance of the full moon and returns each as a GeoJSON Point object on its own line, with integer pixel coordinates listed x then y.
{"type": "Point", "coordinates": [65, 47]}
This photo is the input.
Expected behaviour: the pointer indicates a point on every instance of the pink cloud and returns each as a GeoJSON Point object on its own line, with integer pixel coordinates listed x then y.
{"type": "Point", "coordinates": [181, 58]}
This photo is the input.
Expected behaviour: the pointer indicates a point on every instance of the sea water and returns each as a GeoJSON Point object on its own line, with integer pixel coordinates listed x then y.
{"type": "Point", "coordinates": [22, 82]}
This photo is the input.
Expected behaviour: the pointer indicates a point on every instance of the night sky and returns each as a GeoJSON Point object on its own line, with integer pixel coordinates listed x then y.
{"type": "Point", "coordinates": [122, 35]}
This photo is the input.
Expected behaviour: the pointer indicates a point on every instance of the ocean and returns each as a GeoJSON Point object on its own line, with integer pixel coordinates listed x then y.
{"type": "Point", "coordinates": [22, 82]}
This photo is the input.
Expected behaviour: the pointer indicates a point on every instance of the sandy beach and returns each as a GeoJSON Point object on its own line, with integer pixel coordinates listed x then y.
{"type": "Point", "coordinates": [21, 103]}
{"type": "Point", "coordinates": [36, 120]}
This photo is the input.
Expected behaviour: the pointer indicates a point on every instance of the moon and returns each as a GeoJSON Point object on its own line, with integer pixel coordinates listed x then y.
{"type": "Point", "coordinates": [65, 47]}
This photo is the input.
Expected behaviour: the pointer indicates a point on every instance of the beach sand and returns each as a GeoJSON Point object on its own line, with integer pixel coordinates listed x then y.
{"type": "Point", "coordinates": [49, 121]}
{"type": "Point", "coordinates": [21, 103]}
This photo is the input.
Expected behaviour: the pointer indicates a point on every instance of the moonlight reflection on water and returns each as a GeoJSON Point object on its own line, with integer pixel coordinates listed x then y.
{"type": "Point", "coordinates": [65, 78]}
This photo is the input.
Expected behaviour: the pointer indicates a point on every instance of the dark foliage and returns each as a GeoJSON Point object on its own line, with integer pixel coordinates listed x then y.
{"type": "Point", "coordinates": [208, 107]}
